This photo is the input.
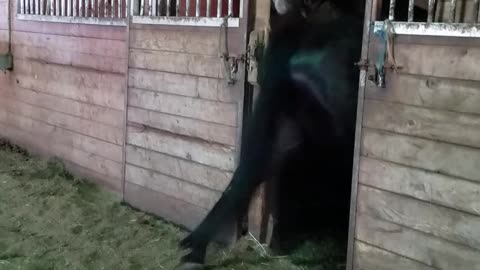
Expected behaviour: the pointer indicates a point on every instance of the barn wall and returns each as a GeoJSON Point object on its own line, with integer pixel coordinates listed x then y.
{"type": "Point", "coordinates": [418, 203]}
{"type": "Point", "coordinates": [183, 122]}
{"type": "Point", "coordinates": [65, 96]}
{"type": "Point", "coordinates": [3, 26]}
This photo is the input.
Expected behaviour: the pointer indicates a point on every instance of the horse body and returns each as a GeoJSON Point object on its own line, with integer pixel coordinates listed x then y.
{"type": "Point", "coordinates": [302, 127]}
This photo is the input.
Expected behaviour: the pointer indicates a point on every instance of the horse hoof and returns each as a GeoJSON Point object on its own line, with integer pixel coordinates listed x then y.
{"type": "Point", "coordinates": [190, 266]}
{"type": "Point", "coordinates": [187, 242]}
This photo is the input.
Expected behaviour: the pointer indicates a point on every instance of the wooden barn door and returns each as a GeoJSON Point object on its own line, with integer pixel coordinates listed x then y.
{"type": "Point", "coordinates": [184, 117]}
{"type": "Point", "coordinates": [416, 184]}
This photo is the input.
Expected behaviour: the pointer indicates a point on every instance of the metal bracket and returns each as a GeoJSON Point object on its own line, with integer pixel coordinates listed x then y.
{"type": "Point", "coordinates": [379, 76]}
{"type": "Point", "coordinates": [6, 62]}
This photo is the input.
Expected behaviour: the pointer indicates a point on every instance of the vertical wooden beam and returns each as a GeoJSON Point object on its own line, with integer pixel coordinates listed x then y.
{"type": "Point", "coordinates": [391, 12]}
{"type": "Point", "coordinates": [219, 8]}
{"type": "Point", "coordinates": [133, 8]}
{"type": "Point", "coordinates": [453, 5]}
{"type": "Point", "coordinates": [358, 136]}
{"type": "Point", "coordinates": [431, 9]}
{"type": "Point", "coordinates": [411, 6]}
{"type": "Point", "coordinates": [475, 11]}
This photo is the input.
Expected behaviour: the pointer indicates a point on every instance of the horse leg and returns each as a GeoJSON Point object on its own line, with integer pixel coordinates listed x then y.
{"type": "Point", "coordinates": [235, 200]}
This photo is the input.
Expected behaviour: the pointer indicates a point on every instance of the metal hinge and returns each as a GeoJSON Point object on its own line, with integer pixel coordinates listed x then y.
{"type": "Point", "coordinates": [231, 65]}
{"type": "Point", "coordinates": [378, 77]}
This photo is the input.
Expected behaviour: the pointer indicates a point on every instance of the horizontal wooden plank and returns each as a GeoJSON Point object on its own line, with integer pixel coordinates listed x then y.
{"type": "Point", "coordinates": [445, 223]}
{"type": "Point", "coordinates": [368, 257]}
{"type": "Point", "coordinates": [436, 188]}
{"type": "Point", "coordinates": [211, 111]}
{"type": "Point", "coordinates": [182, 63]}
{"type": "Point", "coordinates": [83, 110]}
{"type": "Point", "coordinates": [426, 123]}
{"type": "Point", "coordinates": [183, 147]}
{"type": "Point", "coordinates": [49, 147]}
{"type": "Point", "coordinates": [435, 252]}
{"type": "Point", "coordinates": [93, 46]}
{"type": "Point", "coordinates": [165, 82]}
{"type": "Point", "coordinates": [64, 56]}
{"type": "Point", "coordinates": [62, 136]}
{"type": "Point", "coordinates": [169, 208]}
{"type": "Point", "coordinates": [4, 41]}
{"type": "Point", "coordinates": [69, 122]}
{"type": "Point", "coordinates": [3, 35]}
{"type": "Point", "coordinates": [5, 80]}
{"type": "Point", "coordinates": [429, 92]}
{"type": "Point", "coordinates": [38, 146]}
{"type": "Point", "coordinates": [106, 183]}
{"type": "Point", "coordinates": [205, 43]}
{"type": "Point", "coordinates": [73, 30]}
{"type": "Point", "coordinates": [178, 168]}
{"type": "Point", "coordinates": [184, 85]}
{"type": "Point", "coordinates": [452, 160]}
{"type": "Point", "coordinates": [457, 62]}
{"type": "Point", "coordinates": [217, 89]}
{"type": "Point", "coordinates": [3, 23]}
{"type": "Point", "coordinates": [184, 126]}
{"type": "Point", "coordinates": [99, 88]}
{"type": "Point", "coordinates": [172, 187]}
{"type": "Point", "coordinates": [234, 33]}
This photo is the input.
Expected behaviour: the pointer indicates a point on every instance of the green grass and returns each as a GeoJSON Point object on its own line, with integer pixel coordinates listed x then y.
{"type": "Point", "coordinates": [52, 220]}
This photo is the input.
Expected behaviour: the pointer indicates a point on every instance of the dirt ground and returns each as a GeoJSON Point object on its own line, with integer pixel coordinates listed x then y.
{"type": "Point", "coordinates": [52, 220]}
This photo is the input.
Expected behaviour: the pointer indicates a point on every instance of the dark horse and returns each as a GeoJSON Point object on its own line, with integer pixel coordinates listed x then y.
{"type": "Point", "coordinates": [302, 127]}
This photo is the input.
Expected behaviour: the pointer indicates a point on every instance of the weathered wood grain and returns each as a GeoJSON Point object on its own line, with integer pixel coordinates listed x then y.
{"type": "Point", "coordinates": [435, 252]}
{"type": "Point", "coordinates": [64, 56]}
{"type": "Point", "coordinates": [464, 11]}
{"type": "Point", "coordinates": [452, 160]}
{"type": "Point", "coordinates": [368, 257]}
{"type": "Point", "coordinates": [429, 92]}
{"type": "Point", "coordinates": [104, 115]}
{"type": "Point", "coordinates": [5, 81]}
{"type": "Point", "coordinates": [169, 208]}
{"type": "Point", "coordinates": [182, 63]}
{"type": "Point", "coordinates": [164, 82]}
{"type": "Point", "coordinates": [69, 122]}
{"type": "Point", "coordinates": [457, 62]}
{"type": "Point", "coordinates": [93, 46]}
{"type": "Point", "coordinates": [70, 29]}
{"type": "Point", "coordinates": [426, 123]}
{"type": "Point", "coordinates": [214, 155]}
{"type": "Point", "coordinates": [176, 188]}
{"type": "Point", "coordinates": [184, 126]}
{"type": "Point", "coordinates": [106, 183]}
{"type": "Point", "coordinates": [180, 84]}
{"type": "Point", "coordinates": [206, 110]}
{"type": "Point", "coordinates": [62, 136]}
{"type": "Point", "coordinates": [436, 188]}
{"type": "Point", "coordinates": [178, 168]}
{"type": "Point", "coordinates": [4, 41]}
{"type": "Point", "coordinates": [99, 88]}
{"type": "Point", "coordinates": [37, 147]}
{"type": "Point", "coordinates": [445, 223]}
{"type": "Point", "coordinates": [204, 43]}
{"type": "Point", "coordinates": [49, 147]}
{"type": "Point", "coordinates": [216, 89]}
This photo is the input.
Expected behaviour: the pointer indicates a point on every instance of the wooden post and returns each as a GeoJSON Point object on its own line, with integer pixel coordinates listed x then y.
{"type": "Point", "coordinates": [259, 212]}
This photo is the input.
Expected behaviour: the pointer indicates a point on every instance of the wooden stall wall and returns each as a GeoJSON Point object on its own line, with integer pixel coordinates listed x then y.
{"type": "Point", "coordinates": [183, 121]}
{"type": "Point", "coordinates": [65, 97]}
{"type": "Point", "coordinates": [3, 26]}
{"type": "Point", "coordinates": [418, 202]}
